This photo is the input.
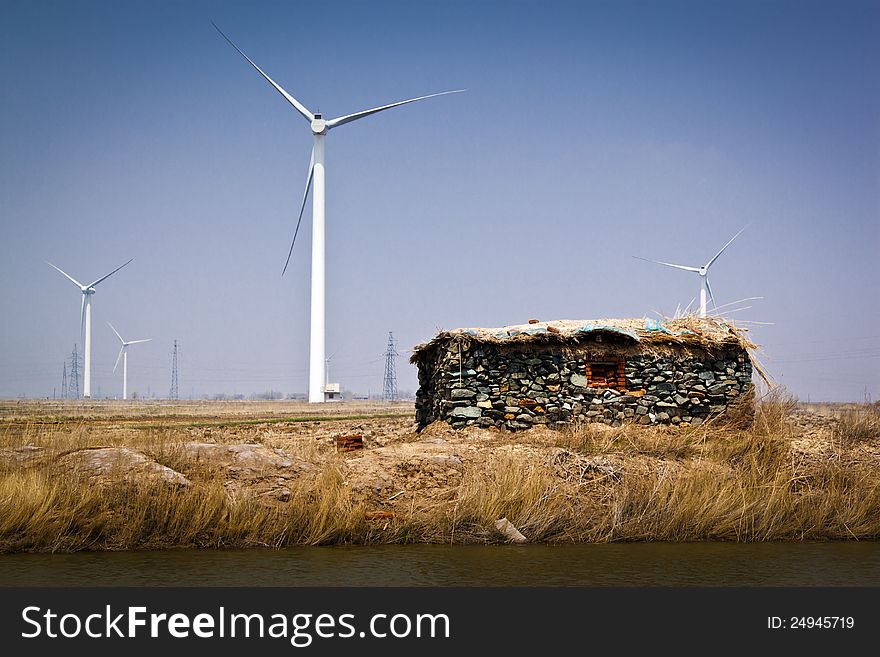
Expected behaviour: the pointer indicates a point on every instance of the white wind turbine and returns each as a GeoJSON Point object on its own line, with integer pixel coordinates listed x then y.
{"type": "Point", "coordinates": [85, 331]}
{"type": "Point", "coordinates": [327, 369]}
{"type": "Point", "coordinates": [123, 354]}
{"type": "Point", "coordinates": [320, 127]}
{"type": "Point", "coordinates": [702, 271]}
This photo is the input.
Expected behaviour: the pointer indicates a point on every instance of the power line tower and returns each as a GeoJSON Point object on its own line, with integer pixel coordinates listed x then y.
{"type": "Point", "coordinates": [389, 388]}
{"type": "Point", "coordinates": [64, 381]}
{"type": "Point", "coordinates": [73, 384]}
{"type": "Point", "coordinates": [174, 393]}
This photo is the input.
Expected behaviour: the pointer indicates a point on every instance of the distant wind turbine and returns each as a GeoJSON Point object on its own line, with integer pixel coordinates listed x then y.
{"type": "Point", "coordinates": [327, 368]}
{"type": "Point", "coordinates": [85, 330]}
{"type": "Point", "coordinates": [320, 127]}
{"type": "Point", "coordinates": [123, 354]}
{"type": "Point", "coordinates": [702, 271]}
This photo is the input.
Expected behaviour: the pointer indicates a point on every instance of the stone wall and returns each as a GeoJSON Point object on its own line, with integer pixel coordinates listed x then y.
{"type": "Point", "coordinates": [518, 386]}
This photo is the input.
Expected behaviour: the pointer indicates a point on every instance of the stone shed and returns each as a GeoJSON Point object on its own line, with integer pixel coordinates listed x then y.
{"type": "Point", "coordinates": [678, 371]}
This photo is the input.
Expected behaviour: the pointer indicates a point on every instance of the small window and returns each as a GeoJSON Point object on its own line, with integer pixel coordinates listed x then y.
{"type": "Point", "coordinates": [606, 373]}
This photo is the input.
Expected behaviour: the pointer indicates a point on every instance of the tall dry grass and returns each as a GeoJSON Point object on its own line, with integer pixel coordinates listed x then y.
{"type": "Point", "coordinates": [737, 481]}
{"type": "Point", "coordinates": [42, 512]}
{"type": "Point", "coordinates": [858, 425]}
{"type": "Point", "coordinates": [47, 506]}
{"type": "Point", "coordinates": [713, 482]}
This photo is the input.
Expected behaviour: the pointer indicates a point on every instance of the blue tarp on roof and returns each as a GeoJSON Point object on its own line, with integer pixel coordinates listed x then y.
{"type": "Point", "coordinates": [654, 325]}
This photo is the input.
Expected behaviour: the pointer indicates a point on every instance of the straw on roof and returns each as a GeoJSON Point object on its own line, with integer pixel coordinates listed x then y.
{"type": "Point", "coordinates": [689, 331]}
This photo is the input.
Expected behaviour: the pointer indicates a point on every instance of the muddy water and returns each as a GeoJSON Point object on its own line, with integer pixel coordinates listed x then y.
{"type": "Point", "coordinates": [635, 564]}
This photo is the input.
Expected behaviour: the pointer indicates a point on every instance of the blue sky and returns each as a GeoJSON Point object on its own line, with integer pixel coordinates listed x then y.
{"type": "Point", "coordinates": [590, 132]}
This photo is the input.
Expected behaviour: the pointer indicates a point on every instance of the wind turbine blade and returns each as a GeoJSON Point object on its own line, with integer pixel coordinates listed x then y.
{"type": "Point", "coordinates": [109, 275]}
{"type": "Point", "coordinates": [348, 118]}
{"type": "Point", "coordinates": [302, 207]}
{"type": "Point", "coordinates": [82, 319]}
{"type": "Point", "coordinates": [733, 303]}
{"type": "Point", "coordinates": [71, 278]}
{"type": "Point", "coordinates": [290, 99]}
{"type": "Point", "coordinates": [668, 264]}
{"type": "Point", "coordinates": [709, 264]}
{"type": "Point", "coordinates": [116, 332]}
{"type": "Point", "coordinates": [139, 341]}
{"type": "Point", "coordinates": [709, 290]}
{"type": "Point", "coordinates": [121, 349]}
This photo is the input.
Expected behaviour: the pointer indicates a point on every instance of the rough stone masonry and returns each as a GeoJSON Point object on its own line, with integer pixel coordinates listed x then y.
{"type": "Point", "coordinates": [609, 371]}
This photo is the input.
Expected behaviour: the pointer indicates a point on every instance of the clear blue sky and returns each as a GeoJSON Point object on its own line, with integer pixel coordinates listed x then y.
{"type": "Point", "coordinates": [591, 132]}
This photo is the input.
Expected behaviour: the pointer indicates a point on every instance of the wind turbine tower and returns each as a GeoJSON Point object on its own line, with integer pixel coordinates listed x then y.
{"type": "Point", "coordinates": [702, 271]}
{"type": "Point", "coordinates": [319, 127]}
{"type": "Point", "coordinates": [86, 323]}
{"type": "Point", "coordinates": [123, 354]}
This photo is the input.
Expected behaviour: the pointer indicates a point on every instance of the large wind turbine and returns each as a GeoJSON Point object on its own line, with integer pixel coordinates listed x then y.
{"type": "Point", "coordinates": [123, 354]}
{"type": "Point", "coordinates": [320, 127]}
{"type": "Point", "coordinates": [702, 271]}
{"type": "Point", "coordinates": [85, 331]}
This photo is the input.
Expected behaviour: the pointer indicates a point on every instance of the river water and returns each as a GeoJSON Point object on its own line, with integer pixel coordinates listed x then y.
{"type": "Point", "coordinates": [623, 564]}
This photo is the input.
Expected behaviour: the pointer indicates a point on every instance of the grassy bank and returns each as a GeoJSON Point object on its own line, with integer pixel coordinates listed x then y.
{"type": "Point", "coordinates": [792, 474]}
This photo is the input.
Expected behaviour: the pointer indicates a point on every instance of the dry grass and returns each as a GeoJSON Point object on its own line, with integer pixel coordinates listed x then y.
{"type": "Point", "coordinates": [42, 509]}
{"type": "Point", "coordinates": [745, 485]}
{"type": "Point", "coordinates": [529, 494]}
{"type": "Point", "coordinates": [741, 481]}
{"type": "Point", "coordinates": [44, 506]}
{"type": "Point", "coordinates": [702, 483]}
{"type": "Point", "coordinates": [858, 425]}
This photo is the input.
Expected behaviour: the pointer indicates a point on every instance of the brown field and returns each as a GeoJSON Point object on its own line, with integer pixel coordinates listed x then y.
{"type": "Point", "coordinates": [150, 475]}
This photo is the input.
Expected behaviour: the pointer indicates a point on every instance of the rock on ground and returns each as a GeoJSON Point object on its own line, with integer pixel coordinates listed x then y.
{"type": "Point", "coordinates": [107, 463]}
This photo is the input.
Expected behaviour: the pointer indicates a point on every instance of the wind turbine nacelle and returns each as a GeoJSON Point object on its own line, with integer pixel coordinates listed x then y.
{"type": "Point", "coordinates": [319, 125]}
{"type": "Point", "coordinates": [89, 290]}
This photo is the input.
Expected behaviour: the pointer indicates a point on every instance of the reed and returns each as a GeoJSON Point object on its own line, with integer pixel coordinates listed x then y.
{"type": "Point", "coordinates": [858, 425]}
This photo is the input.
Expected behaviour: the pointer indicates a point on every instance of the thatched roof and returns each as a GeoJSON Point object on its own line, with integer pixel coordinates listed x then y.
{"type": "Point", "coordinates": [707, 333]}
